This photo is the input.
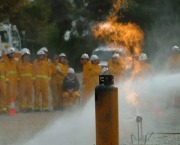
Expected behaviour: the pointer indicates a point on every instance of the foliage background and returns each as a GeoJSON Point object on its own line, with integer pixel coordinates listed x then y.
{"type": "Point", "coordinates": [46, 21]}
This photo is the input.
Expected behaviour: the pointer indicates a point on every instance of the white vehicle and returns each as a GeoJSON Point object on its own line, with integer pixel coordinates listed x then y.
{"type": "Point", "coordinates": [9, 37]}
{"type": "Point", "coordinates": [105, 54]}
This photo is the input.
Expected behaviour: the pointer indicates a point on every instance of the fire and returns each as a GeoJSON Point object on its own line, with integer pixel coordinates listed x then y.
{"type": "Point", "coordinates": [126, 35]}
{"type": "Point", "coordinates": [132, 98]}
{"type": "Point", "coordinates": [129, 36]}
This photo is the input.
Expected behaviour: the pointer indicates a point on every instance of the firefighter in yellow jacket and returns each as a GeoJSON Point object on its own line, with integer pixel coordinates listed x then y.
{"type": "Point", "coordinates": [173, 67]}
{"type": "Point", "coordinates": [3, 85]}
{"type": "Point", "coordinates": [57, 76]}
{"type": "Point", "coordinates": [173, 63]}
{"type": "Point", "coordinates": [85, 77]}
{"type": "Point", "coordinates": [95, 71]}
{"type": "Point", "coordinates": [11, 66]}
{"type": "Point", "coordinates": [64, 64]}
{"type": "Point", "coordinates": [116, 67]}
{"type": "Point", "coordinates": [25, 80]}
{"type": "Point", "coordinates": [146, 69]}
{"type": "Point", "coordinates": [42, 77]}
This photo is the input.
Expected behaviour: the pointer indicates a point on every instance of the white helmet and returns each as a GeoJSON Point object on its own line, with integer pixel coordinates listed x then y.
{"type": "Point", "coordinates": [71, 70]}
{"type": "Point", "coordinates": [44, 49]}
{"type": "Point", "coordinates": [115, 55]}
{"type": "Point", "coordinates": [62, 55]}
{"type": "Point", "coordinates": [175, 48]}
{"type": "Point", "coordinates": [25, 51]}
{"type": "Point", "coordinates": [40, 52]}
{"type": "Point", "coordinates": [85, 56]}
{"type": "Point", "coordinates": [10, 50]}
{"type": "Point", "coordinates": [94, 57]}
{"type": "Point", "coordinates": [142, 57]}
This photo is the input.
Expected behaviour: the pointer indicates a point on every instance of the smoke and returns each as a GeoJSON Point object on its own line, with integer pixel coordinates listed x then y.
{"type": "Point", "coordinates": [162, 32]}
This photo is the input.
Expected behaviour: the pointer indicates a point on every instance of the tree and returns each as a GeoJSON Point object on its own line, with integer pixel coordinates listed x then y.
{"type": "Point", "coordinates": [33, 19]}
{"type": "Point", "coordinates": [9, 8]}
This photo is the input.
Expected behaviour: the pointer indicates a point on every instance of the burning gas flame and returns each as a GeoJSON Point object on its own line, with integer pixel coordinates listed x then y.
{"type": "Point", "coordinates": [128, 36]}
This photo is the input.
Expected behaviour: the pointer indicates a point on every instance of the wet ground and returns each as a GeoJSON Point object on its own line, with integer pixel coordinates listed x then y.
{"type": "Point", "coordinates": [160, 127]}
{"type": "Point", "coordinates": [23, 126]}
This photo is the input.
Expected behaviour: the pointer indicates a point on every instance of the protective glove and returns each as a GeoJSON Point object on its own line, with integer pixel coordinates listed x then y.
{"type": "Point", "coordinates": [58, 68]}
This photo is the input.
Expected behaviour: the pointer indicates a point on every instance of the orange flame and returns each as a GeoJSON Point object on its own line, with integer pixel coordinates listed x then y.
{"type": "Point", "coordinates": [128, 36]}
{"type": "Point", "coordinates": [132, 98]}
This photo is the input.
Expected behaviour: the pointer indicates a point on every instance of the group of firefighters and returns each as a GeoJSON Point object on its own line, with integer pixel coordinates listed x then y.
{"type": "Point", "coordinates": [124, 68]}
{"type": "Point", "coordinates": [19, 78]}
{"type": "Point", "coordinates": [24, 82]}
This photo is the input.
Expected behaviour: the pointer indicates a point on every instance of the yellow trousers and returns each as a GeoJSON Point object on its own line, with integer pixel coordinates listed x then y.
{"type": "Point", "coordinates": [56, 93]}
{"type": "Point", "coordinates": [70, 99]}
{"type": "Point", "coordinates": [41, 87]}
{"type": "Point", "coordinates": [25, 94]}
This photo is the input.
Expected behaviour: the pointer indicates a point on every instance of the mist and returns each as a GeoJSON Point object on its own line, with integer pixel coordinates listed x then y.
{"type": "Point", "coordinates": [162, 33]}
{"type": "Point", "coordinates": [77, 126]}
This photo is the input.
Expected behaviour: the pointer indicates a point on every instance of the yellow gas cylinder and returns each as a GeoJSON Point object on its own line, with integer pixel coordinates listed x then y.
{"type": "Point", "coordinates": [106, 110]}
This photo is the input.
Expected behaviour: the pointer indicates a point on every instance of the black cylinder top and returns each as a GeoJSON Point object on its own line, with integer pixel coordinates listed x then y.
{"type": "Point", "coordinates": [106, 79]}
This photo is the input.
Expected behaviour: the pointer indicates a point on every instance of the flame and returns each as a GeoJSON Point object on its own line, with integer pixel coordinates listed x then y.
{"type": "Point", "coordinates": [132, 98]}
{"type": "Point", "coordinates": [128, 36]}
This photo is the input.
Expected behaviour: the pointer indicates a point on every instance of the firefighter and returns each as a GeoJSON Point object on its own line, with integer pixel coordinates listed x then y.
{"type": "Point", "coordinates": [173, 63]}
{"type": "Point", "coordinates": [11, 66]}
{"type": "Point", "coordinates": [63, 60]}
{"type": "Point", "coordinates": [42, 77]}
{"type": "Point", "coordinates": [3, 85]}
{"type": "Point", "coordinates": [116, 67]}
{"type": "Point", "coordinates": [85, 79]}
{"type": "Point", "coordinates": [146, 69]}
{"type": "Point", "coordinates": [173, 67]}
{"type": "Point", "coordinates": [25, 81]}
{"type": "Point", "coordinates": [94, 71]}
{"type": "Point", "coordinates": [57, 76]}
{"type": "Point", "coordinates": [64, 64]}
{"type": "Point", "coordinates": [70, 88]}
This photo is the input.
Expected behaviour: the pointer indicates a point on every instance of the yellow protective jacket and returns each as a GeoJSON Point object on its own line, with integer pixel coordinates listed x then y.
{"type": "Point", "coordinates": [56, 76]}
{"type": "Point", "coordinates": [25, 72]}
{"type": "Point", "coordinates": [4, 77]}
{"type": "Point", "coordinates": [3, 86]}
{"type": "Point", "coordinates": [11, 66]}
{"type": "Point", "coordinates": [117, 69]}
{"type": "Point", "coordinates": [173, 64]}
{"type": "Point", "coordinates": [64, 69]}
{"type": "Point", "coordinates": [41, 70]}
{"type": "Point", "coordinates": [86, 70]}
{"type": "Point", "coordinates": [95, 71]}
